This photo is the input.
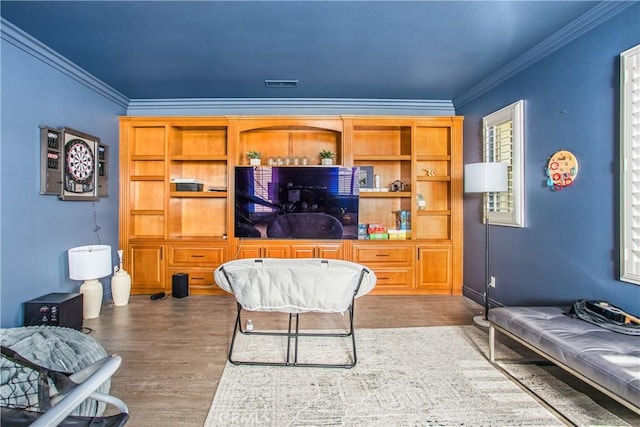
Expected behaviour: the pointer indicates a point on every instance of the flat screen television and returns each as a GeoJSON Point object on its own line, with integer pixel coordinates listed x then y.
{"type": "Point", "coordinates": [290, 202]}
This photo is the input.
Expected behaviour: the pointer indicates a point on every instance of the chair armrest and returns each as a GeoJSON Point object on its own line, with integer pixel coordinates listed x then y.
{"type": "Point", "coordinates": [89, 379]}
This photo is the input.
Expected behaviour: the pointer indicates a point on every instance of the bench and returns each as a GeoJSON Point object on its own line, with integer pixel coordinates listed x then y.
{"type": "Point", "coordinates": [606, 360]}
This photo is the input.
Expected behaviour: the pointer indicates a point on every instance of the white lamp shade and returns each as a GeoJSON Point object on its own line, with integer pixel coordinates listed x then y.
{"type": "Point", "coordinates": [89, 262]}
{"type": "Point", "coordinates": [485, 177]}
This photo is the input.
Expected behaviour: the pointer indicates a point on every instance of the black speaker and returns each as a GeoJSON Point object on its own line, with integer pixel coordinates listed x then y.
{"type": "Point", "coordinates": [180, 285]}
{"type": "Point", "coordinates": [55, 309]}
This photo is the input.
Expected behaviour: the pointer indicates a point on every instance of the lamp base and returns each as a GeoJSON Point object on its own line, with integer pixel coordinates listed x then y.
{"type": "Point", "coordinates": [481, 321]}
{"type": "Point", "coordinates": [91, 291]}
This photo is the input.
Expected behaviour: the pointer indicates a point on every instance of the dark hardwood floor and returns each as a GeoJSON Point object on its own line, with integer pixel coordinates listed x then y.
{"type": "Point", "coordinates": [174, 350]}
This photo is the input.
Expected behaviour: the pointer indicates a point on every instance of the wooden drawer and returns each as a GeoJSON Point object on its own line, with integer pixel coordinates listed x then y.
{"type": "Point", "coordinates": [200, 280]}
{"type": "Point", "coordinates": [197, 256]}
{"type": "Point", "coordinates": [393, 278]}
{"type": "Point", "coordinates": [382, 254]}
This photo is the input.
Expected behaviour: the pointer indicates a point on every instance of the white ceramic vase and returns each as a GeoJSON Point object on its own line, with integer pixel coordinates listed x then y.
{"type": "Point", "coordinates": [120, 284]}
{"type": "Point", "coordinates": [120, 287]}
{"type": "Point", "coordinates": [327, 162]}
{"type": "Point", "coordinates": [254, 162]}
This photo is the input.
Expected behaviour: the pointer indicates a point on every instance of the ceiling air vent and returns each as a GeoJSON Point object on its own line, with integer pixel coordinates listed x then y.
{"type": "Point", "coordinates": [281, 84]}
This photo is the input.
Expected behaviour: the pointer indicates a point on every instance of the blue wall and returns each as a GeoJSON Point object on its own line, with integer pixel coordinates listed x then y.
{"type": "Point", "coordinates": [36, 230]}
{"type": "Point", "coordinates": [567, 251]}
{"type": "Point", "coordinates": [569, 247]}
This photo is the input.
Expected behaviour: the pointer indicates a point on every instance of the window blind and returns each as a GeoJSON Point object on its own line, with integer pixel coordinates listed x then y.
{"type": "Point", "coordinates": [504, 142]}
{"type": "Point", "coordinates": [500, 149]}
{"type": "Point", "coordinates": [630, 180]}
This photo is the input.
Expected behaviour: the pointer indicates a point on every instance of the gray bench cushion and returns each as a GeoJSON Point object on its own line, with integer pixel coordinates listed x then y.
{"type": "Point", "coordinates": [608, 358]}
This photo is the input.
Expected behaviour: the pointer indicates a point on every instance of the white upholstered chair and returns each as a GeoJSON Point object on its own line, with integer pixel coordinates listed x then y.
{"type": "Point", "coordinates": [294, 286]}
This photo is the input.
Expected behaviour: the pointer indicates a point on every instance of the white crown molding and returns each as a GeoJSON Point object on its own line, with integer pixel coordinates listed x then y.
{"type": "Point", "coordinates": [283, 106]}
{"type": "Point", "coordinates": [42, 52]}
{"type": "Point", "coordinates": [589, 20]}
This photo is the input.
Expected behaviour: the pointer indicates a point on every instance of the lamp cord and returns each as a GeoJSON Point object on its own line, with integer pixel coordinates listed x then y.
{"type": "Point", "coordinates": [96, 228]}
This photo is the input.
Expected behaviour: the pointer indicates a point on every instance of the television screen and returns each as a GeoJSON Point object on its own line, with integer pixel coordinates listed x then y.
{"type": "Point", "coordinates": [292, 202]}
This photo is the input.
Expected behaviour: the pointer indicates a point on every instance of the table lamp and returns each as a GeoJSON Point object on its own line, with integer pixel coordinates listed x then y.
{"type": "Point", "coordinates": [90, 263]}
{"type": "Point", "coordinates": [488, 177]}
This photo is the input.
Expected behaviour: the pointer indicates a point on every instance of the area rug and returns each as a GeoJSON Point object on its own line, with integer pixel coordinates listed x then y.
{"type": "Point", "coordinates": [434, 376]}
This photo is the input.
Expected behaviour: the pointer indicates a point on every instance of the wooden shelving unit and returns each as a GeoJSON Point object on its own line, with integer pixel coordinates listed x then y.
{"type": "Point", "coordinates": [196, 227]}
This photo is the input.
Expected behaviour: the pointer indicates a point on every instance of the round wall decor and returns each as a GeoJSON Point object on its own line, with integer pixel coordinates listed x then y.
{"type": "Point", "coordinates": [562, 170]}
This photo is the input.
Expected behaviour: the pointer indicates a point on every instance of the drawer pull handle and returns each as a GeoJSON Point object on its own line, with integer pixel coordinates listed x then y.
{"type": "Point", "coordinates": [197, 256]}
{"type": "Point", "coordinates": [382, 254]}
{"type": "Point", "coordinates": [198, 278]}
{"type": "Point", "coordinates": [383, 278]}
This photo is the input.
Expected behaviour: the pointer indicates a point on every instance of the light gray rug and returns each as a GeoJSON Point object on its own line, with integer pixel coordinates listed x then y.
{"type": "Point", "coordinates": [435, 376]}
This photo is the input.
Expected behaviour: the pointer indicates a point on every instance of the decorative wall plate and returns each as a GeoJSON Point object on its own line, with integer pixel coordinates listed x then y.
{"type": "Point", "coordinates": [562, 170]}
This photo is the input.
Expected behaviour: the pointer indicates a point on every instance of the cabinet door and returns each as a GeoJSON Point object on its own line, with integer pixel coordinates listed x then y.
{"type": "Point", "coordinates": [264, 251]}
{"type": "Point", "coordinates": [326, 251]}
{"type": "Point", "coordinates": [303, 251]}
{"type": "Point", "coordinates": [434, 268]}
{"type": "Point", "coordinates": [146, 266]}
{"type": "Point", "coordinates": [330, 251]}
{"type": "Point", "coordinates": [277, 251]}
{"type": "Point", "coordinates": [249, 252]}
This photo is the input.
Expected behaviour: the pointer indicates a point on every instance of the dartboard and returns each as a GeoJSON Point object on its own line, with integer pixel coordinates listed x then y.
{"type": "Point", "coordinates": [80, 161]}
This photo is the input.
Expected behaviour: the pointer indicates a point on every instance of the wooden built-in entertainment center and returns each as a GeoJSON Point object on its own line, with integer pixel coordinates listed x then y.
{"type": "Point", "coordinates": [164, 231]}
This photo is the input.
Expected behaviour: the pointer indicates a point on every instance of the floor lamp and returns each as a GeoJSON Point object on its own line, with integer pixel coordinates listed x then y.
{"type": "Point", "coordinates": [490, 177]}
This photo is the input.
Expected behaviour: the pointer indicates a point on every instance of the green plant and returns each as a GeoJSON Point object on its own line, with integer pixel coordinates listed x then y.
{"type": "Point", "coordinates": [326, 154]}
{"type": "Point", "coordinates": [254, 154]}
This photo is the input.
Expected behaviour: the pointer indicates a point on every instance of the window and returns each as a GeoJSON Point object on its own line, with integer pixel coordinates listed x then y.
{"type": "Point", "coordinates": [630, 165]}
{"type": "Point", "coordinates": [504, 142]}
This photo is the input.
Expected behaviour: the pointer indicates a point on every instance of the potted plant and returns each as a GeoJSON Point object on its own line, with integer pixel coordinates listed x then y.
{"type": "Point", "coordinates": [326, 157]}
{"type": "Point", "coordinates": [254, 157]}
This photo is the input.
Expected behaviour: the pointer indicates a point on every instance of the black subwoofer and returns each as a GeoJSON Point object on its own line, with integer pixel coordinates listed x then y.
{"type": "Point", "coordinates": [180, 285]}
{"type": "Point", "coordinates": [55, 309]}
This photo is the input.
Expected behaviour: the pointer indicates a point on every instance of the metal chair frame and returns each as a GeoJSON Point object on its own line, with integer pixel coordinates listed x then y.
{"type": "Point", "coordinates": [71, 389]}
{"type": "Point", "coordinates": [293, 333]}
